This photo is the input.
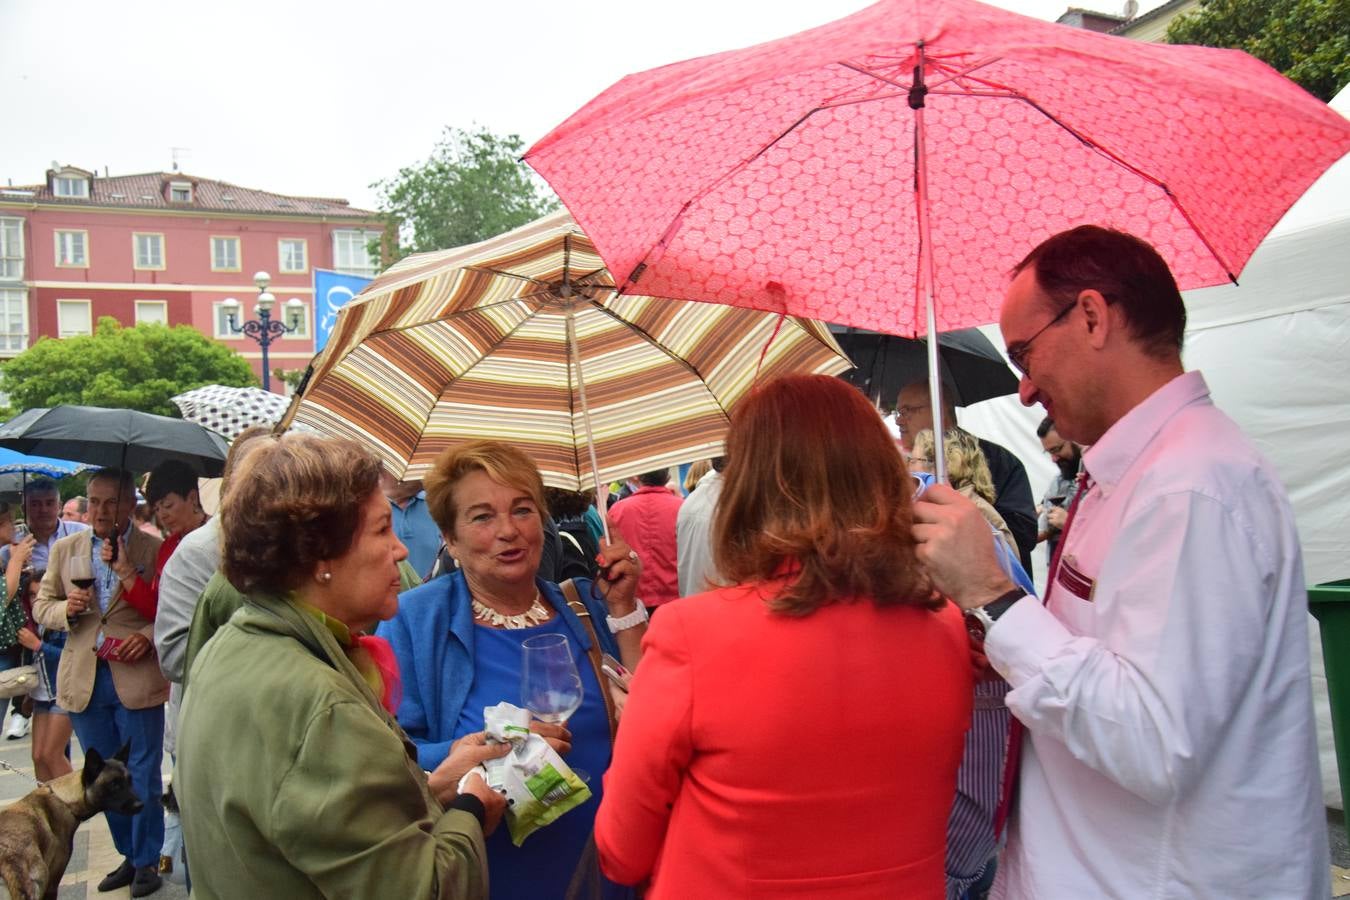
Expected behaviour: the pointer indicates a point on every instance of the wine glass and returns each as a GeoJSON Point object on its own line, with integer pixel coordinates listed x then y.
{"type": "Point", "coordinates": [80, 571]}
{"type": "Point", "coordinates": [550, 685]}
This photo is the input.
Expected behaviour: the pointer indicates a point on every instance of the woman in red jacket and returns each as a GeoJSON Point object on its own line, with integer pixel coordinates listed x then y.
{"type": "Point", "coordinates": [172, 495]}
{"type": "Point", "coordinates": [798, 733]}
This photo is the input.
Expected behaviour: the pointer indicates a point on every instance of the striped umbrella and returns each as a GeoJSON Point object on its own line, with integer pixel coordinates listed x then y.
{"type": "Point", "coordinates": [481, 342]}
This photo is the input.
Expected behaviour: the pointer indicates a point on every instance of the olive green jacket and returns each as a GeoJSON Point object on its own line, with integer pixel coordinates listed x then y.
{"type": "Point", "coordinates": [219, 600]}
{"type": "Point", "coordinates": [294, 782]}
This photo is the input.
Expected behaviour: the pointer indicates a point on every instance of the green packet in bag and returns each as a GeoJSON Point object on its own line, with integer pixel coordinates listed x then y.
{"type": "Point", "coordinates": [538, 785]}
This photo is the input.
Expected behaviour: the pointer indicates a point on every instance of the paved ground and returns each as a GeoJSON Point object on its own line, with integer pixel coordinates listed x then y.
{"type": "Point", "coordinates": [94, 855]}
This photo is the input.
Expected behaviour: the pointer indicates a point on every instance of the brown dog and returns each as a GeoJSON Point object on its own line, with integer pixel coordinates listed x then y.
{"type": "Point", "coordinates": [37, 831]}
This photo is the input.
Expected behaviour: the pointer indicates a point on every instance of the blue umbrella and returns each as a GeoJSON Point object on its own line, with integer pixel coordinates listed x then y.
{"type": "Point", "coordinates": [15, 468]}
{"type": "Point", "coordinates": [13, 462]}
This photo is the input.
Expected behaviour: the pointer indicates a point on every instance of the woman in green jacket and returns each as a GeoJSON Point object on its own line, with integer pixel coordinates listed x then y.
{"type": "Point", "coordinates": [293, 778]}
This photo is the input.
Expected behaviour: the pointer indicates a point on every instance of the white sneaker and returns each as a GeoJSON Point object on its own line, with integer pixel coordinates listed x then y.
{"type": "Point", "coordinates": [18, 727]}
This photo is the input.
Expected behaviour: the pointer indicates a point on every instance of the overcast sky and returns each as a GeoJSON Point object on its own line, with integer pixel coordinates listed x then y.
{"type": "Point", "coordinates": [324, 98]}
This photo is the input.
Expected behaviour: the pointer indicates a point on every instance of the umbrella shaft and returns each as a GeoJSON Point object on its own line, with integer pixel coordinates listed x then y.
{"type": "Point", "coordinates": [926, 279]}
{"type": "Point", "coordinates": [601, 496]}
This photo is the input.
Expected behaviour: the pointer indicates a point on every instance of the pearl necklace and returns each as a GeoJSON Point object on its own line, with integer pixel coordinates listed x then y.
{"type": "Point", "coordinates": [537, 614]}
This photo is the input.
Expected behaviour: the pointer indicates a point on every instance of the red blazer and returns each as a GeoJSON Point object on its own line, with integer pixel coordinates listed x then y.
{"type": "Point", "coordinates": [762, 755]}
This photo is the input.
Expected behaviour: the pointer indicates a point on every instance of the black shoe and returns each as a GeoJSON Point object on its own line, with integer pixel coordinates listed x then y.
{"type": "Point", "coordinates": [117, 878]}
{"type": "Point", "coordinates": [146, 882]}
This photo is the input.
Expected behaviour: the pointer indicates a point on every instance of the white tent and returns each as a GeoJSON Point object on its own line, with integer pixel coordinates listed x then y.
{"type": "Point", "coordinates": [1276, 354]}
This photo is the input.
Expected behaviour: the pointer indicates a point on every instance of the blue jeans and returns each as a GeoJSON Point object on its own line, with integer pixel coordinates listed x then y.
{"type": "Point", "coordinates": [105, 725]}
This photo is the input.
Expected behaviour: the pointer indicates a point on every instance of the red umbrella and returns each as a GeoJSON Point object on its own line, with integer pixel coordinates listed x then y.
{"type": "Point", "coordinates": [852, 171]}
{"type": "Point", "coordinates": [783, 176]}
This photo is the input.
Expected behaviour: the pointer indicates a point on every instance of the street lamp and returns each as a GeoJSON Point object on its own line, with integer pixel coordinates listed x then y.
{"type": "Point", "coordinates": [263, 329]}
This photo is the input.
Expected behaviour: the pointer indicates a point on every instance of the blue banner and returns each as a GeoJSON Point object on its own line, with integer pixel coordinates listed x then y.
{"type": "Point", "coordinates": [332, 290]}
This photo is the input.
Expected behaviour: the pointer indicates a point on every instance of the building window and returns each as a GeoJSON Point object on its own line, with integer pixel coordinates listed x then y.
{"type": "Point", "coordinates": [72, 249]}
{"type": "Point", "coordinates": [152, 312]}
{"type": "Point", "coordinates": [71, 186]}
{"type": "Point", "coordinates": [73, 318]}
{"type": "Point", "coordinates": [301, 322]}
{"type": "Point", "coordinates": [11, 249]}
{"type": "Point", "coordinates": [180, 192]}
{"type": "Point", "coordinates": [293, 256]}
{"type": "Point", "coordinates": [351, 252]}
{"type": "Point", "coordinates": [223, 330]}
{"type": "Point", "coordinates": [225, 254]}
{"type": "Point", "coordinates": [149, 250]}
{"type": "Point", "coordinates": [13, 320]}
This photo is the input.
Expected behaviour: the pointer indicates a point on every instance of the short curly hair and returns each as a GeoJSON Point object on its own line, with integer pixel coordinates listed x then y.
{"type": "Point", "coordinates": [502, 463]}
{"type": "Point", "coordinates": [293, 502]}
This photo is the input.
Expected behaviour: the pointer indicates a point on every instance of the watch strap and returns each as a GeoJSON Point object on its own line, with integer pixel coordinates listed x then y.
{"type": "Point", "coordinates": [1003, 603]}
{"type": "Point", "coordinates": [635, 618]}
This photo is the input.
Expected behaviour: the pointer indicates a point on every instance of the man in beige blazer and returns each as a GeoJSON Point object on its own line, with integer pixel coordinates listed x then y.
{"type": "Point", "coordinates": [114, 693]}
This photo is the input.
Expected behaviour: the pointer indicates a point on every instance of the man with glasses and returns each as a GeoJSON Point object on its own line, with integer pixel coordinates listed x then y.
{"type": "Point", "coordinates": [1012, 490]}
{"type": "Point", "coordinates": [1162, 682]}
{"type": "Point", "coordinates": [109, 679]}
{"type": "Point", "coordinates": [1054, 511]}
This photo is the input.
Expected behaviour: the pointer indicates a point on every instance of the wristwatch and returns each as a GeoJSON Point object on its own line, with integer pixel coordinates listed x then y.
{"type": "Point", "coordinates": [980, 620]}
{"type": "Point", "coordinates": [635, 618]}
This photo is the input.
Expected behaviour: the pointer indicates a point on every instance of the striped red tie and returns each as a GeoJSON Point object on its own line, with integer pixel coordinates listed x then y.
{"type": "Point", "coordinates": [1016, 730]}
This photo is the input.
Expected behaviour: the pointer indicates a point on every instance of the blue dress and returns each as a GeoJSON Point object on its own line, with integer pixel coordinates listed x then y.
{"type": "Point", "coordinates": [452, 668]}
{"type": "Point", "coordinates": [543, 865]}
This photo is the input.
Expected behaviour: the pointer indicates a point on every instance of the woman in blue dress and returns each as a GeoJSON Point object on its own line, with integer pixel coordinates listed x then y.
{"type": "Point", "coordinates": [458, 643]}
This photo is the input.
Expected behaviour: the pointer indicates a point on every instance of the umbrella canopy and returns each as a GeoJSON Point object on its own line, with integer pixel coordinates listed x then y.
{"type": "Point", "coordinates": [474, 343]}
{"type": "Point", "coordinates": [783, 176]}
{"type": "Point", "coordinates": [970, 365]}
{"type": "Point", "coordinates": [16, 467]}
{"type": "Point", "coordinates": [229, 410]}
{"type": "Point", "coordinates": [114, 437]}
{"type": "Point", "coordinates": [14, 463]}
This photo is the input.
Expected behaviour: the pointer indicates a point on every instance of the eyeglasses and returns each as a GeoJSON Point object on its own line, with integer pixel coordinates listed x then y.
{"type": "Point", "coordinates": [904, 412]}
{"type": "Point", "coordinates": [1017, 352]}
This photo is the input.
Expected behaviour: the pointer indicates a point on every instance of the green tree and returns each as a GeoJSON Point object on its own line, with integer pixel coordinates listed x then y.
{"type": "Point", "coordinates": [1306, 40]}
{"type": "Point", "coordinates": [290, 377]}
{"type": "Point", "coordinates": [125, 368]}
{"type": "Point", "coordinates": [472, 187]}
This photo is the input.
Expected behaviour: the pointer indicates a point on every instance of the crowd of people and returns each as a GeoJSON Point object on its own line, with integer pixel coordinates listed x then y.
{"type": "Point", "coordinates": [843, 682]}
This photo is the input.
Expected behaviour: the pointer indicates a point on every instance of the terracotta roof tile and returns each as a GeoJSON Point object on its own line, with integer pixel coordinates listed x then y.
{"type": "Point", "coordinates": [150, 191]}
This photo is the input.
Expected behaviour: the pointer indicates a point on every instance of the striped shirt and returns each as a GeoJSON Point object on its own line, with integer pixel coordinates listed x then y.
{"type": "Point", "coordinates": [971, 841]}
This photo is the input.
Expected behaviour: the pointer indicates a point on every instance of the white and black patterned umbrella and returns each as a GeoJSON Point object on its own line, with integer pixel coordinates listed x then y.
{"type": "Point", "coordinates": [229, 410]}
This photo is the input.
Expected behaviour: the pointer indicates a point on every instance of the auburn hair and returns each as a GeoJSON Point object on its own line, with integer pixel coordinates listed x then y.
{"type": "Point", "coordinates": [501, 462]}
{"type": "Point", "coordinates": [814, 480]}
{"type": "Point", "coordinates": [293, 502]}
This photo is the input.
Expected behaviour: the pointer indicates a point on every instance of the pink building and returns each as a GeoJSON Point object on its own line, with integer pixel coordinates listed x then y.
{"type": "Point", "coordinates": [170, 248]}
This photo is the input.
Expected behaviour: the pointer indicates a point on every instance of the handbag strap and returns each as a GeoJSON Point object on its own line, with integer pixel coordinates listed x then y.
{"type": "Point", "coordinates": [574, 602]}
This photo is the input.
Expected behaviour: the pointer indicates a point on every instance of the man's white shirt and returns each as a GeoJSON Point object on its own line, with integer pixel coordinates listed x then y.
{"type": "Point", "coordinates": [1171, 749]}
{"type": "Point", "coordinates": [693, 535]}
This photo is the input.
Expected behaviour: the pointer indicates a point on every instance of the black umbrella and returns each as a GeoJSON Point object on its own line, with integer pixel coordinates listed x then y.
{"type": "Point", "coordinates": [971, 365]}
{"type": "Point", "coordinates": [123, 438]}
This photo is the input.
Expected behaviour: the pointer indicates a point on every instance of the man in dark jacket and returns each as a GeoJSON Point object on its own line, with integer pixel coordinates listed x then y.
{"type": "Point", "coordinates": [1013, 500]}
